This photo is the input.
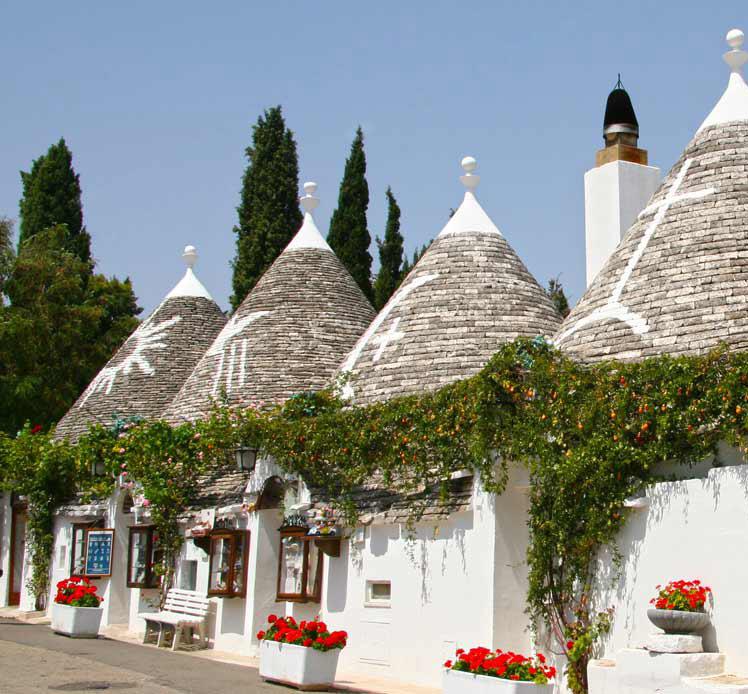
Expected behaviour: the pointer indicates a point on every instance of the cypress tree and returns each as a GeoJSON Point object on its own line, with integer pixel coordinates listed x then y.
{"type": "Point", "coordinates": [51, 197]}
{"type": "Point", "coordinates": [349, 236]}
{"type": "Point", "coordinates": [269, 213]}
{"type": "Point", "coordinates": [409, 265]}
{"type": "Point", "coordinates": [557, 295]}
{"type": "Point", "coordinates": [390, 255]}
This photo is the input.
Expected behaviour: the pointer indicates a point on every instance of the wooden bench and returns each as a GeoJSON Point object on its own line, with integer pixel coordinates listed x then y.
{"type": "Point", "coordinates": [184, 611]}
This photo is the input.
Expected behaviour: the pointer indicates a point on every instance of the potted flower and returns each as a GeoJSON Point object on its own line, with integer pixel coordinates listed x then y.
{"type": "Point", "coordinates": [679, 607]}
{"type": "Point", "coordinates": [76, 610]}
{"type": "Point", "coordinates": [304, 655]}
{"type": "Point", "coordinates": [482, 671]}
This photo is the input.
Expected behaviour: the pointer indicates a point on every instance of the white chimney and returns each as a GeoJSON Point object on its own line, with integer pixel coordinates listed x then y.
{"type": "Point", "coordinates": [619, 186]}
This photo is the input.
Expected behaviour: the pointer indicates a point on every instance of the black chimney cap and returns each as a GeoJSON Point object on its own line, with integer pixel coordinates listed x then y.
{"type": "Point", "coordinates": [619, 111]}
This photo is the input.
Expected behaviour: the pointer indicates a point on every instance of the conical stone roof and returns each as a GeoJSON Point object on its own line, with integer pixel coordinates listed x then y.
{"type": "Point", "coordinates": [145, 374]}
{"type": "Point", "coordinates": [289, 334]}
{"type": "Point", "coordinates": [678, 282]}
{"type": "Point", "coordinates": [466, 296]}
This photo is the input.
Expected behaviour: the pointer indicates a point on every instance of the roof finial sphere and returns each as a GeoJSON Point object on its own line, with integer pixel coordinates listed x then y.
{"type": "Point", "coordinates": [735, 38]}
{"type": "Point", "coordinates": [189, 255]}
{"type": "Point", "coordinates": [308, 201]}
{"type": "Point", "coordinates": [469, 164]}
{"type": "Point", "coordinates": [470, 180]}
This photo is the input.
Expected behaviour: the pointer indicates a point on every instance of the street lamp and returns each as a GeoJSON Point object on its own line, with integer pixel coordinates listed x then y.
{"type": "Point", "coordinates": [98, 468]}
{"type": "Point", "coordinates": [246, 458]}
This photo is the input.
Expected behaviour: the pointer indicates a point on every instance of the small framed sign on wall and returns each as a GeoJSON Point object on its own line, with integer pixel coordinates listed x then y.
{"type": "Point", "coordinates": [99, 547]}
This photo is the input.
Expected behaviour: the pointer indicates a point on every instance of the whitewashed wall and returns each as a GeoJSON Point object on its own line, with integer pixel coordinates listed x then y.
{"type": "Point", "coordinates": [117, 596]}
{"type": "Point", "coordinates": [692, 529]}
{"type": "Point", "coordinates": [5, 523]}
{"type": "Point", "coordinates": [460, 583]}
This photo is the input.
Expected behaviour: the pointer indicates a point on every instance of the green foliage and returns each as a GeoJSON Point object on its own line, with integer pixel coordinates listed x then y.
{"type": "Point", "coordinates": [557, 295]}
{"type": "Point", "coordinates": [7, 254]}
{"type": "Point", "coordinates": [349, 236]}
{"type": "Point", "coordinates": [269, 213]}
{"type": "Point", "coordinates": [43, 470]}
{"type": "Point", "coordinates": [60, 328]}
{"type": "Point", "coordinates": [390, 255]}
{"type": "Point", "coordinates": [51, 197]}
{"type": "Point", "coordinates": [590, 436]}
{"type": "Point", "coordinates": [408, 265]}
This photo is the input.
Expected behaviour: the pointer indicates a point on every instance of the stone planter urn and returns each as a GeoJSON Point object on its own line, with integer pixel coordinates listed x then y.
{"type": "Point", "coordinates": [298, 666]}
{"type": "Point", "coordinates": [678, 621]}
{"type": "Point", "coordinates": [76, 622]}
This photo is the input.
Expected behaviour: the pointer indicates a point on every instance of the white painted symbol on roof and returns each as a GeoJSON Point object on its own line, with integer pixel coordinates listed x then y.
{"type": "Point", "coordinates": [613, 309]}
{"type": "Point", "coordinates": [224, 342]}
{"type": "Point", "coordinates": [376, 324]}
{"type": "Point", "coordinates": [147, 337]}
{"type": "Point", "coordinates": [391, 335]}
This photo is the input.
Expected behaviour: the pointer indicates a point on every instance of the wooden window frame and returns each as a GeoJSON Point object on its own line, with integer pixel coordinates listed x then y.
{"type": "Point", "coordinates": [316, 594]}
{"type": "Point", "coordinates": [97, 524]}
{"type": "Point", "coordinates": [235, 536]}
{"type": "Point", "coordinates": [151, 579]}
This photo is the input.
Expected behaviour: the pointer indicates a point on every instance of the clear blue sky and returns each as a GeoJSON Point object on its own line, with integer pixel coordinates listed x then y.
{"type": "Point", "coordinates": [157, 99]}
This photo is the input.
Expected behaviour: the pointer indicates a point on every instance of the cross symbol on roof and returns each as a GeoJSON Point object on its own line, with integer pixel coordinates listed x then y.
{"type": "Point", "coordinates": [390, 336]}
{"type": "Point", "coordinates": [613, 309]}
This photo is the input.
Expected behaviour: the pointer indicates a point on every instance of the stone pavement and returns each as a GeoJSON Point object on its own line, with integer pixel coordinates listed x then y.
{"type": "Point", "coordinates": [33, 659]}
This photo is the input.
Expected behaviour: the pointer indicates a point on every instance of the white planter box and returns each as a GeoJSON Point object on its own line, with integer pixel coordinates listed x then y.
{"type": "Point", "coordinates": [455, 682]}
{"type": "Point", "coordinates": [78, 622]}
{"type": "Point", "coordinates": [301, 667]}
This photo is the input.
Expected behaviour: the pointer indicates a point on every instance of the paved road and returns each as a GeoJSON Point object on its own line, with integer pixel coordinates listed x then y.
{"type": "Point", "coordinates": [33, 660]}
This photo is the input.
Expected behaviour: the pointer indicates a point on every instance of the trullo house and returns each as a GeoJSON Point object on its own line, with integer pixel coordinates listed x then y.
{"type": "Point", "coordinates": [288, 336]}
{"type": "Point", "coordinates": [139, 381]}
{"type": "Point", "coordinates": [677, 284]}
{"type": "Point", "coordinates": [459, 574]}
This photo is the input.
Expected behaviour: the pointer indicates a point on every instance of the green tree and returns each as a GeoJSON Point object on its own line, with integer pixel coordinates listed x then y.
{"type": "Point", "coordinates": [61, 326]}
{"type": "Point", "coordinates": [408, 265]}
{"type": "Point", "coordinates": [52, 196]}
{"type": "Point", "coordinates": [390, 255]}
{"type": "Point", "coordinates": [349, 236]}
{"type": "Point", "coordinates": [269, 213]}
{"type": "Point", "coordinates": [556, 294]}
{"type": "Point", "coordinates": [7, 254]}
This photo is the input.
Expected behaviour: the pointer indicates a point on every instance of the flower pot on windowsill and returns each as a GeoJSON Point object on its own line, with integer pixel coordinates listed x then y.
{"type": "Point", "coordinates": [301, 667]}
{"type": "Point", "coordinates": [678, 621]}
{"type": "Point", "coordinates": [77, 622]}
{"type": "Point", "coordinates": [456, 682]}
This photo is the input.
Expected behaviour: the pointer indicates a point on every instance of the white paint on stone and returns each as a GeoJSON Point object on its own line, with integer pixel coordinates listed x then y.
{"type": "Point", "coordinates": [733, 105]}
{"type": "Point", "coordinates": [470, 216]}
{"type": "Point", "coordinates": [693, 529]}
{"type": "Point", "coordinates": [148, 337]}
{"type": "Point", "coordinates": [395, 301]}
{"type": "Point", "coordinates": [225, 342]}
{"type": "Point", "coordinates": [392, 335]}
{"type": "Point", "coordinates": [189, 285]}
{"type": "Point", "coordinates": [614, 194]}
{"type": "Point", "coordinates": [309, 235]}
{"type": "Point", "coordinates": [614, 309]}
{"type": "Point", "coordinates": [674, 643]}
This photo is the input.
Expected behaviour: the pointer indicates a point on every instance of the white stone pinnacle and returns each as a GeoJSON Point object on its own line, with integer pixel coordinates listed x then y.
{"type": "Point", "coordinates": [308, 236]}
{"type": "Point", "coordinates": [470, 180]}
{"type": "Point", "coordinates": [189, 285]}
{"type": "Point", "coordinates": [470, 216]}
{"type": "Point", "coordinates": [309, 202]}
{"type": "Point", "coordinates": [733, 105]}
{"type": "Point", "coordinates": [190, 256]}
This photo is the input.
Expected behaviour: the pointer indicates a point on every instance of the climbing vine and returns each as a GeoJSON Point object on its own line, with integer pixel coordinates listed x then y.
{"type": "Point", "coordinates": [589, 436]}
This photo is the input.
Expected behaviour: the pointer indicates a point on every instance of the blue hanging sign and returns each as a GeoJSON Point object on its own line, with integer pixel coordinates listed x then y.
{"type": "Point", "coordinates": [99, 546]}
